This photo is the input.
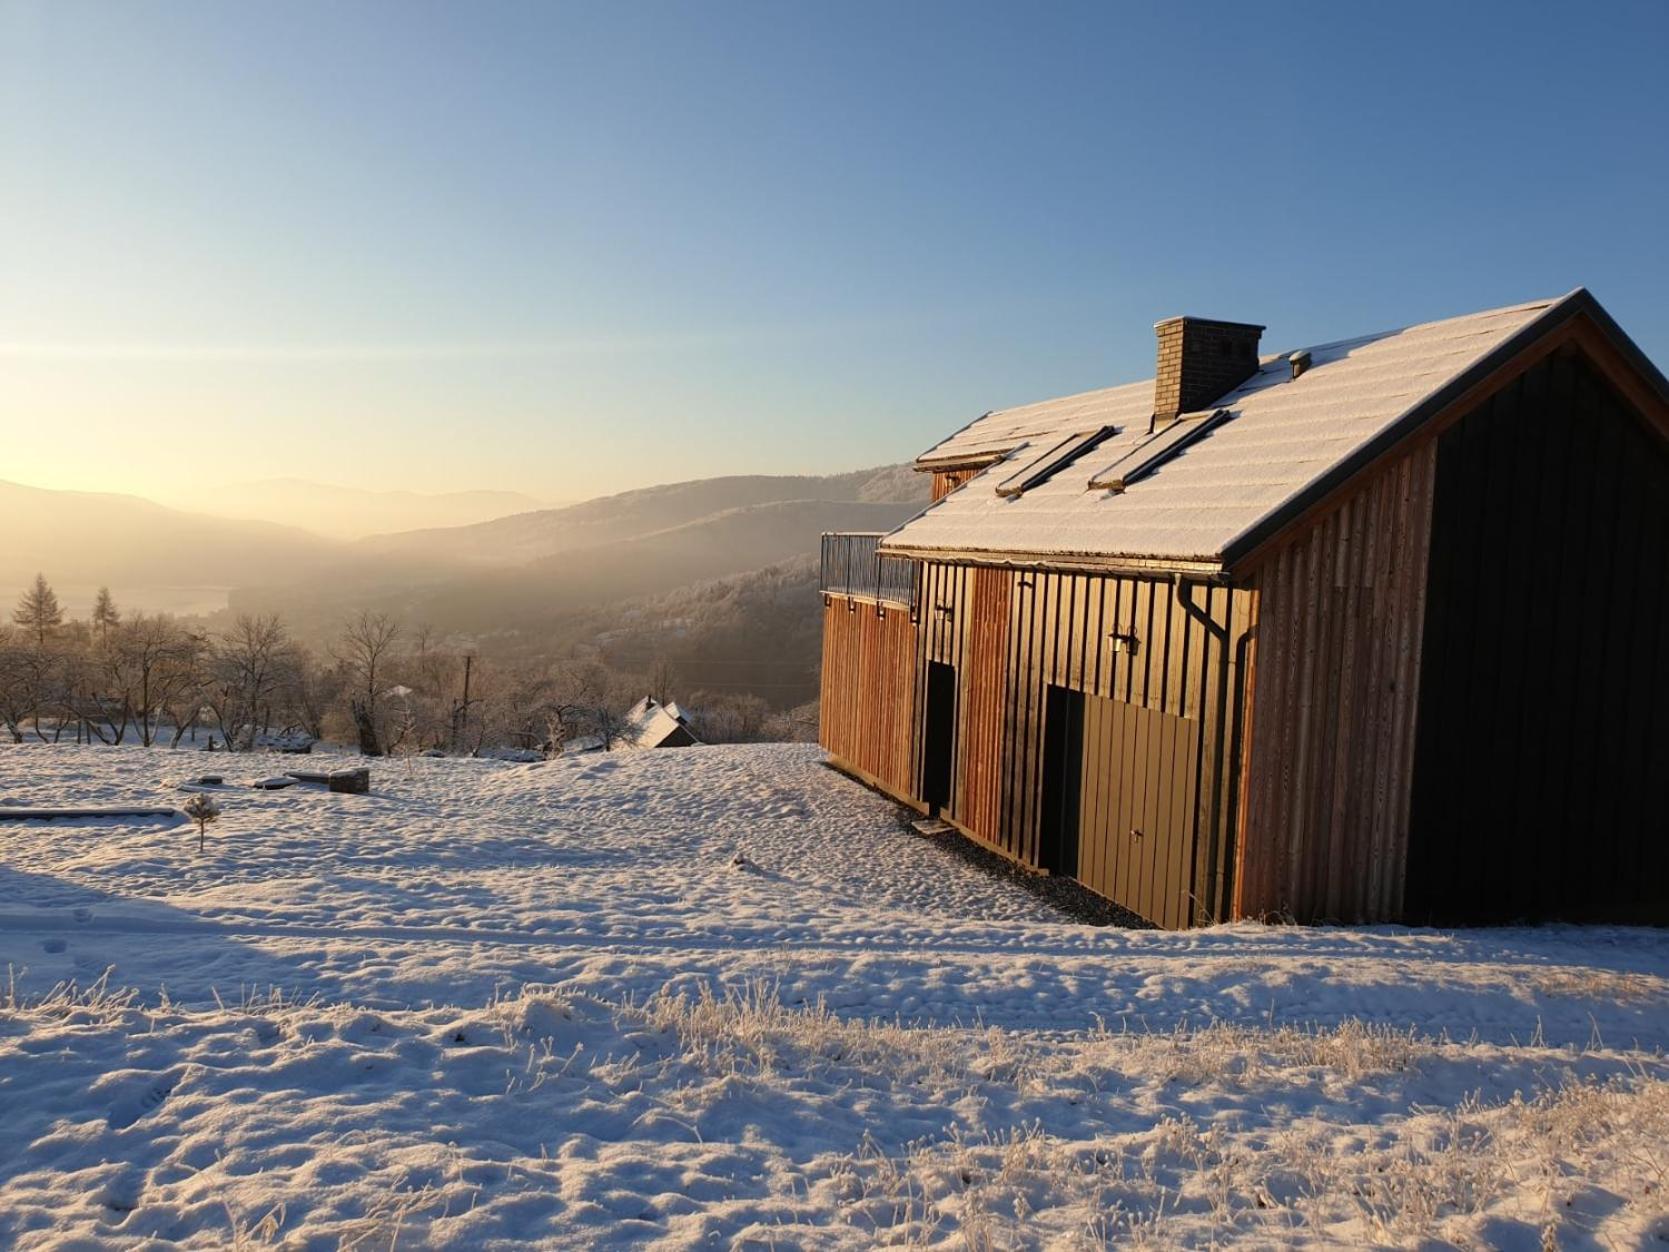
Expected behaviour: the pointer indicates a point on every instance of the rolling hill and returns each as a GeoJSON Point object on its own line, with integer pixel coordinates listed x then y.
{"type": "Point", "coordinates": [524, 574]}
{"type": "Point", "coordinates": [595, 524]}
{"type": "Point", "coordinates": [716, 575]}
{"type": "Point", "coordinates": [351, 512]}
{"type": "Point", "coordinates": [152, 557]}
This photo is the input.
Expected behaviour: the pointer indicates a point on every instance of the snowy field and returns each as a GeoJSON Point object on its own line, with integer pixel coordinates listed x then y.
{"type": "Point", "coordinates": [491, 1004]}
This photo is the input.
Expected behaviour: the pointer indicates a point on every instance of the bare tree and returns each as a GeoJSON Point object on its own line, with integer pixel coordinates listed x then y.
{"type": "Point", "coordinates": [659, 680]}
{"type": "Point", "coordinates": [152, 659]}
{"type": "Point", "coordinates": [312, 691]}
{"type": "Point", "coordinates": [586, 698]}
{"type": "Point", "coordinates": [182, 700]}
{"type": "Point", "coordinates": [431, 674]}
{"type": "Point", "coordinates": [730, 717]}
{"type": "Point", "coordinates": [17, 689]}
{"type": "Point", "coordinates": [366, 650]}
{"type": "Point", "coordinates": [245, 670]}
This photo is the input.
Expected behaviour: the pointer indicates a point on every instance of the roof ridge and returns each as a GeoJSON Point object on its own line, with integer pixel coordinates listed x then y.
{"type": "Point", "coordinates": [1266, 359]}
{"type": "Point", "coordinates": [1353, 340]}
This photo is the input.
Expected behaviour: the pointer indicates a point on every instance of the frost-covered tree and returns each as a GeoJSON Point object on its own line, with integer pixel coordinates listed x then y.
{"type": "Point", "coordinates": [38, 611]}
{"type": "Point", "coordinates": [185, 695]}
{"type": "Point", "coordinates": [366, 650]}
{"type": "Point", "coordinates": [433, 673]}
{"type": "Point", "coordinates": [312, 692]}
{"type": "Point", "coordinates": [246, 668]}
{"type": "Point", "coordinates": [729, 717]}
{"type": "Point", "coordinates": [149, 661]}
{"type": "Point", "coordinates": [202, 809]}
{"type": "Point", "coordinates": [18, 696]}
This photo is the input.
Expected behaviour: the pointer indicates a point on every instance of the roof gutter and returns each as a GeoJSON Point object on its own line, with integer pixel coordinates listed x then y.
{"type": "Point", "coordinates": [1207, 571]}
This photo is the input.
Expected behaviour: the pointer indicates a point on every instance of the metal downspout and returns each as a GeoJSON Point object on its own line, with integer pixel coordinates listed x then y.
{"type": "Point", "coordinates": [1221, 885]}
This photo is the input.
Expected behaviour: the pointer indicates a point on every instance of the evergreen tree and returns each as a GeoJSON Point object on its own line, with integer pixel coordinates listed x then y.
{"type": "Point", "coordinates": [38, 611]}
{"type": "Point", "coordinates": [106, 616]}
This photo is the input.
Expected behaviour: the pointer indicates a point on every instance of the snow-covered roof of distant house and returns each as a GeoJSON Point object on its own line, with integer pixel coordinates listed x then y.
{"type": "Point", "coordinates": [1282, 439]}
{"type": "Point", "coordinates": [649, 724]}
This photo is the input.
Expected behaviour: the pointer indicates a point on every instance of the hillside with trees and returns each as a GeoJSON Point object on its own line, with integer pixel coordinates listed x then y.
{"type": "Point", "coordinates": [703, 591]}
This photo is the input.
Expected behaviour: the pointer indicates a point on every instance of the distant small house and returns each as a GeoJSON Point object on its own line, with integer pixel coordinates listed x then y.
{"type": "Point", "coordinates": [1367, 631]}
{"type": "Point", "coordinates": [650, 724]}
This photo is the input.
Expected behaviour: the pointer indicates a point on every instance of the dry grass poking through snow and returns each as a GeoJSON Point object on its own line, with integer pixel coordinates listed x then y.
{"type": "Point", "coordinates": [1178, 1184]}
{"type": "Point", "coordinates": [1329, 1137]}
{"type": "Point", "coordinates": [1434, 1173]}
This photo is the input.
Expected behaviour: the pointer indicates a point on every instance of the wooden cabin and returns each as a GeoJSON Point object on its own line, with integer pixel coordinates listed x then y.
{"type": "Point", "coordinates": [1367, 631]}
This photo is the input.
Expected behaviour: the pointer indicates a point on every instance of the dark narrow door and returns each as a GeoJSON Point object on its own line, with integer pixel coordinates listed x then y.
{"type": "Point", "coordinates": [1063, 772]}
{"type": "Point", "coordinates": [939, 736]}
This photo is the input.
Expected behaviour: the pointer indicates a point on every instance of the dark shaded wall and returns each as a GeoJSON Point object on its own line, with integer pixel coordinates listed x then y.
{"type": "Point", "coordinates": [1542, 751]}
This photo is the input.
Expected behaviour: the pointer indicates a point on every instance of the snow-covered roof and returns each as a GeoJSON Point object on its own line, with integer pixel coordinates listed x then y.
{"type": "Point", "coordinates": [1282, 437]}
{"type": "Point", "coordinates": [649, 724]}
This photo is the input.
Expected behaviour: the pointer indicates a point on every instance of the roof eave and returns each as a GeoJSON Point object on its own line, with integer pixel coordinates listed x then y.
{"type": "Point", "coordinates": [1071, 562]}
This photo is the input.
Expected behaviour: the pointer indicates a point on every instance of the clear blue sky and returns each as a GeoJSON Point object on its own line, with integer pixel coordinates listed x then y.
{"type": "Point", "coordinates": [573, 249]}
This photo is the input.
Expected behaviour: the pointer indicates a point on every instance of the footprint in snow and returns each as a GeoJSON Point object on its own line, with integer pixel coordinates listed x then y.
{"type": "Point", "coordinates": [83, 915]}
{"type": "Point", "coordinates": [122, 1193]}
{"type": "Point", "coordinates": [54, 946]}
{"type": "Point", "coordinates": [146, 1095]}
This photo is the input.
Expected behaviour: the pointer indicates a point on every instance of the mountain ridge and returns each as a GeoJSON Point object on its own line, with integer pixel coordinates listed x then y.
{"type": "Point", "coordinates": [338, 511]}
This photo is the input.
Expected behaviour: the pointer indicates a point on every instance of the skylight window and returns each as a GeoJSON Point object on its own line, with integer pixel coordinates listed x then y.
{"type": "Point", "coordinates": [1053, 461]}
{"type": "Point", "coordinates": [1146, 457]}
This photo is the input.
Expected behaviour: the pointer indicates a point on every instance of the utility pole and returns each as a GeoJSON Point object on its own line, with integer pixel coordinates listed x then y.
{"type": "Point", "coordinates": [460, 711]}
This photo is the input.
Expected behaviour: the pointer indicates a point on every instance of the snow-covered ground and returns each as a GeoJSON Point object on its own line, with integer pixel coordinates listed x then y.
{"type": "Point", "coordinates": [491, 1004]}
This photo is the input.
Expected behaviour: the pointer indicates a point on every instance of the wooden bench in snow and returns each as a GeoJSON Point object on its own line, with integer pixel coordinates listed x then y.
{"type": "Point", "coordinates": [351, 781]}
{"type": "Point", "coordinates": [10, 814]}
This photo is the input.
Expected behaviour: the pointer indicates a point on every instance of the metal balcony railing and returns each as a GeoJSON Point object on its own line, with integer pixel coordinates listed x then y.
{"type": "Point", "coordinates": [853, 567]}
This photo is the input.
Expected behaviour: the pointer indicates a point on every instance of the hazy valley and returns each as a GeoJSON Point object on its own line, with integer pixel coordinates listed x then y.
{"type": "Point", "coordinates": [715, 578]}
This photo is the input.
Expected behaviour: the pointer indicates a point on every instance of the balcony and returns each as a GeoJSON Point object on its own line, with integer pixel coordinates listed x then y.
{"type": "Point", "coordinates": [853, 567]}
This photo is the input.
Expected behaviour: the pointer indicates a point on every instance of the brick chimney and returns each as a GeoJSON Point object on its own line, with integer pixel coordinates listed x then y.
{"type": "Point", "coordinates": [1200, 361]}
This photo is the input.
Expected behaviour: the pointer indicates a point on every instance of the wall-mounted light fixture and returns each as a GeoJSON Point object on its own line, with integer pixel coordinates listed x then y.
{"type": "Point", "coordinates": [1127, 643]}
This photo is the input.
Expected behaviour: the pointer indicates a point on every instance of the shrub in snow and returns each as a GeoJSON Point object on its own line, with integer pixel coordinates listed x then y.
{"type": "Point", "coordinates": [293, 741]}
{"type": "Point", "coordinates": [202, 809]}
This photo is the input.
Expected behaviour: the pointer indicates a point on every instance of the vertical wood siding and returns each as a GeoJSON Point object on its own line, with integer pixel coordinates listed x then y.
{"type": "Point", "coordinates": [1012, 633]}
{"type": "Point", "coordinates": [947, 481]}
{"type": "Point", "coordinates": [867, 717]}
{"type": "Point", "coordinates": [981, 680]}
{"type": "Point", "coordinates": [1543, 747]}
{"type": "Point", "coordinates": [1327, 786]}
